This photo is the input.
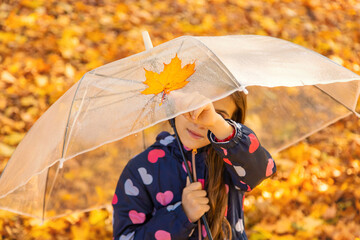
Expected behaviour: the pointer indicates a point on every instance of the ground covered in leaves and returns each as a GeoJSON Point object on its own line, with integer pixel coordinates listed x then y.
{"type": "Point", "coordinates": [46, 46]}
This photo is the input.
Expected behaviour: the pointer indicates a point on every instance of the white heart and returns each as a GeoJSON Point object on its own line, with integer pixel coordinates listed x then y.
{"type": "Point", "coordinates": [239, 226]}
{"type": "Point", "coordinates": [167, 140]}
{"type": "Point", "coordinates": [173, 207]}
{"type": "Point", "coordinates": [147, 178]}
{"type": "Point", "coordinates": [240, 171]}
{"type": "Point", "coordinates": [130, 189]}
{"type": "Point", "coordinates": [129, 236]}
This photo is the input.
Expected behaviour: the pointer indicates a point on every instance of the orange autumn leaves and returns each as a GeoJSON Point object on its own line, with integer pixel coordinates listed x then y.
{"type": "Point", "coordinates": [74, 37]}
{"type": "Point", "coordinates": [171, 78]}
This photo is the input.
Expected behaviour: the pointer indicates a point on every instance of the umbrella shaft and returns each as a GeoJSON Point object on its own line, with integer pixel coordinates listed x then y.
{"type": "Point", "coordinates": [203, 218]}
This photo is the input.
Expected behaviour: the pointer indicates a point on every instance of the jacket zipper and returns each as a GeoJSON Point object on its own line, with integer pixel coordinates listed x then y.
{"type": "Point", "coordinates": [194, 152]}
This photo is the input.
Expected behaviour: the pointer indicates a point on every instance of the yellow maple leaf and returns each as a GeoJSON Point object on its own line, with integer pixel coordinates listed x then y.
{"type": "Point", "coordinates": [171, 78]}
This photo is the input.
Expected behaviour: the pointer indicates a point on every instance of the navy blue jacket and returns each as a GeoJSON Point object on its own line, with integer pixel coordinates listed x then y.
{"type": "Point", "coordinates": [147, 200]}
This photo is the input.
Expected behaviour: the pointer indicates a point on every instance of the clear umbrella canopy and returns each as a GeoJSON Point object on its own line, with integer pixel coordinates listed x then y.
{"type": "Point", "coordinates": [71, 158]}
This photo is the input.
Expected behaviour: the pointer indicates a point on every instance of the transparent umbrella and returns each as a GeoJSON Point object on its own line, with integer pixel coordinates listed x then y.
{"type": "Point", "coordinates": [71, 158]}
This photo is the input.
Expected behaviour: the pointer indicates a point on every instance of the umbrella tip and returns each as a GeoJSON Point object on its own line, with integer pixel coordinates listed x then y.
{"type": "Point", "coordinates": [242, 88]}
{"type": "Point", "coordinates": [147, 40]}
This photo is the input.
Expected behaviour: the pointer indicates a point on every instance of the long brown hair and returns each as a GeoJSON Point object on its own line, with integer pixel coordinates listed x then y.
{"type": "Point", "coordinates": [218, 199]}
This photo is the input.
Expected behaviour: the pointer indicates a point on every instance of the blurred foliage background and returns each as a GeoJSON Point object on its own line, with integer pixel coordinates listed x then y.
{"type": "Point", "coordinates": [46, 46]}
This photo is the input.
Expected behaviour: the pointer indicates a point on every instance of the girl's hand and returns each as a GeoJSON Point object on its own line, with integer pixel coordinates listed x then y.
{"type": "Point", "coordinates": [205, 116]}
{"type": "Point", "coordinates": [194, 201]}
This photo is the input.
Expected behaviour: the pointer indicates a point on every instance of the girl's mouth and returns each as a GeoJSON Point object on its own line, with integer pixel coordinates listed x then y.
{"type": "Point", "coordinates": [194, 134]}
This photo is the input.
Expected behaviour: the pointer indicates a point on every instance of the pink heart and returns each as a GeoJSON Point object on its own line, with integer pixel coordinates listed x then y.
{"type": "Point", "coordinates": [186, 148]}
{"type": "Point", "coordinates": [115, 199]}
{"type": "Point", "coordinates": [155, 154]}
{"type": "Point", "coordinates": [162, 235]}
{"type": "Point", "coordinates": [164, 198]}
{"type": "Point", "coordinates": [248, 187]}
{"type": "Point", "coordinates": [202, 181]}
{"type": "Point", "coordinates": [254, 143]}
{"type": "Point", "coordinates": [225, 151]}
{"type": "Point", "coordinates": [227, 188]}
{"type": "Point", "coordinates": [183, 165]}
{"type": "Point", "coordinates": [203, 230]}
{"type": "Point", "coordinates": [269, 167]}
{"type": "Point", "coordinates": [137, 217]}
{"type": "Point", "coordinates": [227, 161]}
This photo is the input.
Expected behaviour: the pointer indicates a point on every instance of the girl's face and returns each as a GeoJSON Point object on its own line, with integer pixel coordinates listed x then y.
{"type": "Point", "coordinates": [194, 135]}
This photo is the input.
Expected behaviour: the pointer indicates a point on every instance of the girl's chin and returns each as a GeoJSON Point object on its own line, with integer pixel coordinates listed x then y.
{"type": "Point", "coordinates": [192, 145]}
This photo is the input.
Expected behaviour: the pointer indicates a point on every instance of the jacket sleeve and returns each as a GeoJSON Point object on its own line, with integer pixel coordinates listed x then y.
{"type": "Point", "coordinates": [135, 217]}
{"type": "Point", "coordinates": [247, 162]}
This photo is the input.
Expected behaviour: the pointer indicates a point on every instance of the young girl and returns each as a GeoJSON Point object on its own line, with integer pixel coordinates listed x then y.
{"type": "Point", "coordinates": [153, 198]}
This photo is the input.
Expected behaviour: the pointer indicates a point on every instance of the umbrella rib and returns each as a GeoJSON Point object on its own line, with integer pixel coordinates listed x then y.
{"type": "Point", "coordinates": [44, 199]}
{"type": "Point", "coordinates": [108, 104]}
{"type": "Point", "coordinates": [129, 67]}
{"type": "Point", "coordinates": [109, 95]}
{"type": "Point", "coordinates": [120, 70]}
{"type": "Point", "coordinates": [310, 133]}
{"type": "Point", "coordinates": [122, 79]}
{"type": "Point", "coordinates": [219, 63]}
{"type": "Point", "coordinates": [142, 111]}
{"type": "Point", "coordinates": [45, 203]}
{"type": "Point", "coordinates": [182, 43]}
{"type": "Point", "coordinates": [63, 149]}
{"type": "Point", "coordinates": [101, 75]}
{"type": "Point", "coordinates": [351, 110]}
{"type": "Point", "coordinates": [109, 83]}
{"type": "Point", "coordinates": [68, 121]}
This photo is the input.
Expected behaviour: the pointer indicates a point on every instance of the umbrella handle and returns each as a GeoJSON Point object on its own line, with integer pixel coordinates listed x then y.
{"type": "Point", "coordinates": [203, 218]}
